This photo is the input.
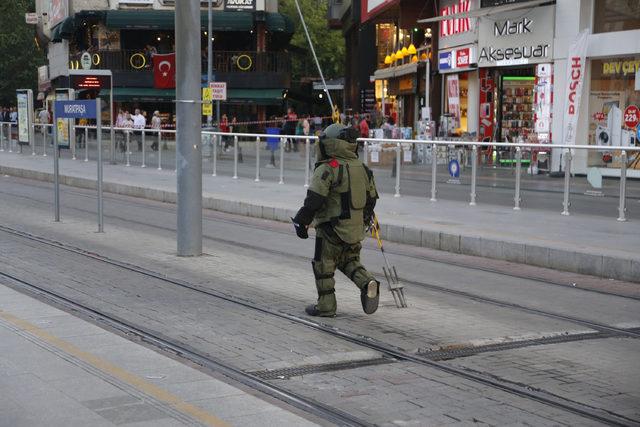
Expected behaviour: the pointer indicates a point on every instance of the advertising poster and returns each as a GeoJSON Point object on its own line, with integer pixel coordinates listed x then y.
{"type": "Point", "coordinates": [575, 77]}
{"type": "Point", "coordinates": [62, 125]}
{"type": "Point", "coordinates": [23, 117]}
{"type": "Point", "coordinates": [58, 11]}
{"type": "Point", "coordinates": [453, 97]}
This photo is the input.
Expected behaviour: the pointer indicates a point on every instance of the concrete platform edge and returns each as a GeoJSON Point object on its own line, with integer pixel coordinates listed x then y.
{"type": "Point", "coordinates": [554, 258]}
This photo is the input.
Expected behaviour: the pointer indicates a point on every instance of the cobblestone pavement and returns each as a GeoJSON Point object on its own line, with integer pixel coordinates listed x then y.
{"type": "Point", "coordinates": [391, 393]}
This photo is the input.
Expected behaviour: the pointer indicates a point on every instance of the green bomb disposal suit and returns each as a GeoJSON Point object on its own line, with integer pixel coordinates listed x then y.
{"type": "Point", "coordinates": [341, 194]}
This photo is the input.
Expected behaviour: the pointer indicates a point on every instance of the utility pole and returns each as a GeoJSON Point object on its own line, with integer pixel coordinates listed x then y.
{"type": "Point", "coordinates": [209, 55]}
{"type": "Point", "coordinates": [188, 139]}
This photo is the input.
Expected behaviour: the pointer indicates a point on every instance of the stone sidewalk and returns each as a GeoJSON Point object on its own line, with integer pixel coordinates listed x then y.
{"type": "Point", "coordinates": [578, 243]}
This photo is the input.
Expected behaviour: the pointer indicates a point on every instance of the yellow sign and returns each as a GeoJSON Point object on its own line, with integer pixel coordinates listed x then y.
{"type": "Point", "coordinates": [621, 67]}
{"type": "Point", "coordinates": [207, 107]}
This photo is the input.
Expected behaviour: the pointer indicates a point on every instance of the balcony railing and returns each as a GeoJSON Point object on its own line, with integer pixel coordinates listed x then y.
{"type": "Point", "coordinates": [223, 61]}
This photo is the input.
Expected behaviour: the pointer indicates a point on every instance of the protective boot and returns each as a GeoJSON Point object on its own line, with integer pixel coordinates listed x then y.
{"type": "Point", "coordinates": [312, 310]}
{"type": "Point", "coordinates": [370, 296]}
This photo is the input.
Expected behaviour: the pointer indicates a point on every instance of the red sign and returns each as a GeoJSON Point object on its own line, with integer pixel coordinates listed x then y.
{"type": "Point", "coordinates": [164, 71]}
{"type": "Point", "coordinates": [89, 82]}
{"type": "Point", "coordinates": [463, 58]}
{"type": "Point", "coordinates": [599, 116]}
{"type": "Point", "coordinates": [631, 116]}
{"type": "Point", "coordinates": [450, 27]}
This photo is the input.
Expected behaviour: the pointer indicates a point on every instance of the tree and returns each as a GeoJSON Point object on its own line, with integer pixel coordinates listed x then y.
{"type": "Point", "coordinates": [19, 54]}
{"type": "Point", "coordinates": [329, 44]}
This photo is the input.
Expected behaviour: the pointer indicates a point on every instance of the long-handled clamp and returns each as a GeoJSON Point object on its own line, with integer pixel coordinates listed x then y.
{"type": "Point", "coordinates": [390, 273]}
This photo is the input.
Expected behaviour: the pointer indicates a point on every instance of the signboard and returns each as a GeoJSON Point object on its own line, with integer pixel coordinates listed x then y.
{"type": "Point", "coordinates": [31, 18]}
{"type": "Point", "coordinates": [631, 116]}
{"type": "Point", "coordinates": [516, 37]}
{"type": "Point", "coordinates": [454, 169]}
{"type": "Point", "coordinates": [58, 11]}
{"type": "Point", "coordinates": [453, 26]}
{"type": "Point", "coordinates": [62, 124]}
{"type": "Point", "coordinates": [576, 62]}
{"type": "Point", "coordinates": [85, 60]}
{"type": "Point", "coordinates": [75, 109]}
{"type": "Point", "coordinates": [89, 81]}
{"type": "Point", "coordinates": [207, 108]}
{"type": "Point", "coordinates": [218, 91]}
{"type": "Point", "coordinates": [239, 4]}
{"type": "Point", "coordinates": [458, 59]}
{"type": "Point", "coordinates": [23, 117]}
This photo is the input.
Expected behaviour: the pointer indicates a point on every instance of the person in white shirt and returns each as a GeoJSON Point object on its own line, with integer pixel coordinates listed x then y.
{"type": "Point", "coordinates": [156, 123]}
{"type": "Point", "coordinates": [139, 122]}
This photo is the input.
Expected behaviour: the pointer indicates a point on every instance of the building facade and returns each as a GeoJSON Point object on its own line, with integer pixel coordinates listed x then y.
{"type": "Point", "coordinates": [249, 51]}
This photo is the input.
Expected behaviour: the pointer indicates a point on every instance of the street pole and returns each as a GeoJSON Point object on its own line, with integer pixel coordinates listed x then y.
{"type": "Point", "coordinates": [313, 51]}
{"type": "Point", "coordinates": [188, 140]}
{"type": "Point", "coordinates": [56, 170]}
{"type": "Point", "coordinates": [427, 89]}
{"type": "Point", "coordinates": [99, 174]}
{"type": "Point", "coordinates": [209, 54]}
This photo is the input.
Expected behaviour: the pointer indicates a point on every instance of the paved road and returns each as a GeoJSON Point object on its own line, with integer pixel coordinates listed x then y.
{"type": "Point", "coordinates": [262, 262]}
{"type": "Point", "coordinates": [495, 186]}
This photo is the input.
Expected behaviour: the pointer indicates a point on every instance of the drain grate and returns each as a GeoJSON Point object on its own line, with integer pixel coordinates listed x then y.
{"type": "Point", "coordinates": [453, 353]}
{"type": "Point", "coordinates": [298, 371]}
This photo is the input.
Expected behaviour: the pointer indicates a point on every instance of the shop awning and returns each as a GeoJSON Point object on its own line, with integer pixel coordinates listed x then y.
{"type": "Point", "coordinates": [164, 20]}
{"type": "Point", "coordinates": [485, 11]}
{"type": "Point", "coordinates": [277, 22]}
{"type": "Point", "coordinates": [391, 72]}
{"type": "Point", "coordinates": [64, 30]}
{"type": "Point", "coordinates": [146, 94]}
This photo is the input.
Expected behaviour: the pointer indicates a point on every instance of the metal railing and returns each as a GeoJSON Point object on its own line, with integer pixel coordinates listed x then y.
{"type": "Point", "coordinates": [213, 142]}
{"type": "Point", "coordinates": [567, 151]}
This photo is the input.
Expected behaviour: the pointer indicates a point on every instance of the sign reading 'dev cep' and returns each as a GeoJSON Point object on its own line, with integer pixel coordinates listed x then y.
{"type": "Point", "coordinates": [75, 109]}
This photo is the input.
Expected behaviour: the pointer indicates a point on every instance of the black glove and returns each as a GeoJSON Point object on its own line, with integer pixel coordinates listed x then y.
{"type": "Point", "coordinates": [301, 230]}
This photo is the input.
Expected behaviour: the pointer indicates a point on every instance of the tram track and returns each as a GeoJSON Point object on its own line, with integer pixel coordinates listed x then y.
{"type": "Point", "coordinates": [387, 350]}
{"type": "Point", "coordinates": [388, 251]}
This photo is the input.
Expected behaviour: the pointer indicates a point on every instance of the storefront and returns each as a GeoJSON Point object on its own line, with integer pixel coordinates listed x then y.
{"type": "Point", "coordinates": [515, 56]}
{"type": "Point", "coordinates": [457, 62]}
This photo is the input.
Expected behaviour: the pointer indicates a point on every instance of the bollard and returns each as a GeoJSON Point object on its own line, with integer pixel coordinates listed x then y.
{"type": "Point", "coordinates": [235, 157]}
{"type": "Point", "coordinates": [398, 163]}
{"type": "Point", "coordinates": [623, 187]}
{"type": "Point", "coordinates": [306, 161]}
{"type": "Point", "coordinates": [516, 199]}
{"type": "Point", "coordinates": [567, 177]}
{"type": "Point", "coordinates": [474, 164]}
{"type": "Point", "coordinates": [434, 171]}
{"type": "Point", "coordinates": [143, 149]}
{"type": "Point", "coordinates": [159, 150]}
{"type": "Point", "coordinates": [86, 143]}
{"type": "Point", "coordinates": [128, 152]}
{"type": "Point", "coordinates": [214, 156]}
{"type": "Point", "coordinates": [282, 144]}
{"type": "Point", "coordinates": [257, 159]}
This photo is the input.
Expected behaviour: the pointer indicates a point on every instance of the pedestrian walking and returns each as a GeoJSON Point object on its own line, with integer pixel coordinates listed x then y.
{"type": "Point", "coordinates": [340, 203]}
{"type": "Point", "coordinates": [289, 128]}
{"type": "Point", "coordinates": [156, 124]}
{"type": "Point", "coordinates": [364, 127]}
{"type": "Point", "coordinates": [139, 122]}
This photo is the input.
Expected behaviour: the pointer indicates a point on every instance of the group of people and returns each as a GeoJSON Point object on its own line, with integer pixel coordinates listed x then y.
{"type": "Point", "coordinates": [136, 122]}
{"type": "Point", "coordinates": [9, 114]}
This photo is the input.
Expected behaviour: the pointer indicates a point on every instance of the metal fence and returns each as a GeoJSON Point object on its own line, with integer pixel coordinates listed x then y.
{"type": "Point", "coordinates": [156, 148]}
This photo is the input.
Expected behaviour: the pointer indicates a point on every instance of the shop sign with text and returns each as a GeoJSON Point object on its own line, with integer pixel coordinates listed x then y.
{"type": "Point", "coordinates": [240, 5]}
{"type": "Point", "coordinates": [460, 30]}
{"type": "Point", "coordinates": [514, 38]}
{"type": "Point", "coordinates": [454, 60]}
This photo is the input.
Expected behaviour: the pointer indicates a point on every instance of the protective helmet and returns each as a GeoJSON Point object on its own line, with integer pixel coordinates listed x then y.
{"type": "Point", "coordinates": [340, 131]}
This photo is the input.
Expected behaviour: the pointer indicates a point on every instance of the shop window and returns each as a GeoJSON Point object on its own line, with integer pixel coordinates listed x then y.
{"type": "Point", "coordinates": [614, 92]}
{"type": "Point", "coordinates": [616, 15]}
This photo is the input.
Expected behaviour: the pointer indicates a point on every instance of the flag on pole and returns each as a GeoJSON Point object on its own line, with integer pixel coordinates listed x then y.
{"type": "Point", "coordinates": [576, 62]}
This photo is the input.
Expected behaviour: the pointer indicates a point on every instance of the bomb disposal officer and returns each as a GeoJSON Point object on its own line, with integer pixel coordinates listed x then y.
{"type": "Point", "coordinates": [339, 202]}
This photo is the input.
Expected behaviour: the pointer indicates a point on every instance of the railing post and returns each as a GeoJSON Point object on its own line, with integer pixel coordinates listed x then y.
{"type": "Point", "coordinates": [216, 141]}
{"type": "Point", "coordinates": [474, 165]}
{"type": "Point", "coordinates": [86, 143]}
{"type": "Point", "coordinates": [623, 187]}
{"type": "Point", "coordinates": [257, 159]}
{"type": "Point", "coordinates": [282, 144]}
{"type": "Point", "coordinates": [72, 143]}
{"type": "Point", "coordinates": [159, 150]}
{"type": "Point", "coordinates": [33, 143]}
{"type": "Point", "coordinates": [44, 141]}
{"type": "Point", "coordinates": [567, 177]}
{"type": "Point", "coordinates": [235, 157]}
{"type": "Point", "coordinates": [434, 171]}
{"type": "Point", "coordinates": [143, 149]}
{"type": "Point", "coordinates": [306, 162]}
{"type": "Point", "coordinates": [112, 135]}
{"type": "Point", "coordinates": [10, 140]}
{"type": "Point", "coordinates": [365, 153]}
{"type": "Point", "coordinates": [127, 154]}
{"type": "Point", "coordinates": [1, 136]}
{"type": "Point", "coordinates": [516, 199]}
{"type": "Point", "coordinates": [398, 163]}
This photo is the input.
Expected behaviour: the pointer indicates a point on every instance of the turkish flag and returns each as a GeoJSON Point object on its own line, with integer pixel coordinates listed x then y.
{"type": "Point", "coordinates": [164, 71]}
